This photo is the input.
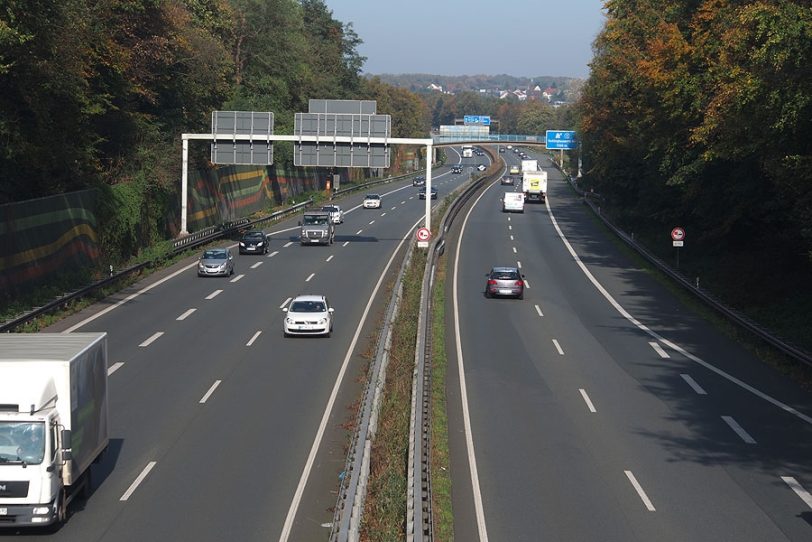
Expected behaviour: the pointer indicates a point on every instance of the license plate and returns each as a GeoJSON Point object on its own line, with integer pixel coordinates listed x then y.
{"type": "Point", "coordinates": [505, 292]}
{"type": "Point", "coordinates": [3, 511]}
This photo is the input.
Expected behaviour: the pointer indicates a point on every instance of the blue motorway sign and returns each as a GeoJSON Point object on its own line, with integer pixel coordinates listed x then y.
{"type": "Point", "coordinates": [482, 120]}
{"type": "Point", "coordinates": [561, 139]}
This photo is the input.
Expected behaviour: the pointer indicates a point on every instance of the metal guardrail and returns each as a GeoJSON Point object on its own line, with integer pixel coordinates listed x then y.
{"type": "Point", "coordinates": [179, 245]}
{"type": "Point", "coordinates": [709, 299]}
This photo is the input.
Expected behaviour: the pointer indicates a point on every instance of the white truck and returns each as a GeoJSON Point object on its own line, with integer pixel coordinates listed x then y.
{"type": "Point", "coordinates": [513, 202]}
{"type": "Point", "coordinates": [534, 185]}
{"type": "Point", "coordinates": [530, 165]}
{"type": "Point", "coordinates": [53, 422]}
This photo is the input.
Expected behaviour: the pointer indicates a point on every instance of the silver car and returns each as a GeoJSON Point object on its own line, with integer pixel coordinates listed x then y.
{"type": "Point", "coordinates": [308, 315]}
{"type": "Point", "coordinates": [215, 262]}
{"type": "Point", "coordinates": [336, 214]}
{"type": "Point", "coordinates": [505, 281]}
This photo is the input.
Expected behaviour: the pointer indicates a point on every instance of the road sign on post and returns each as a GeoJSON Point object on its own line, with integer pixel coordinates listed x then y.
{"type": "Point", "coordinates": [561, 139]}
{"type": "Point", "coordinates": [678, 240]}
{"type": "Point", "coordinates": [256, 151]}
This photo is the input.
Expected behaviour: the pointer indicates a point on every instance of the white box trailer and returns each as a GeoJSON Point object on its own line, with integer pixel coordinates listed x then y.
{"type": "Point", "coordinates": [53, 422]}
{"type": "Point", "coordinates": [530, 165]}
{"type": "Point", "coordinates": [534, 186]}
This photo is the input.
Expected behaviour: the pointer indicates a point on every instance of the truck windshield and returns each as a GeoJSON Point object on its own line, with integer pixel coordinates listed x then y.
{"type": "Point", "coordinates": [311, 220]}
{"type": "Point", "coordinates": [22, 442]}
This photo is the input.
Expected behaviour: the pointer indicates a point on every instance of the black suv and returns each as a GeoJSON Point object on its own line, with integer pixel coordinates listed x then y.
{"type": "Point", "coordinates": [456, 169]}
{"type": "Point", "coordinates": [419, 181]}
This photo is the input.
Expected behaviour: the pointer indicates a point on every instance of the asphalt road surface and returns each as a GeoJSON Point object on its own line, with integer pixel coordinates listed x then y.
{"type": "Point", "coordinates": [600, 407]}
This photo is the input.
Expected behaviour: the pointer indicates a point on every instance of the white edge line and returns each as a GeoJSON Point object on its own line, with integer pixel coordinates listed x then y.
{"type": "Point", "coordinates": [297, 497]}
{"type": "Point", "coordinates": [211, 390]}
{"type": "Point", "coordinates": [254, 338]}
{"type": "Point", "coordinates": [799, 490]}
{"type": "Point", "coordinates": [640, 492]}
{"type": "Point", "coordinates": [185, 315]}
{"type": "Point", "coordinates": [739, 430]}
{"type": "Point", "coordinates": [587, 400]}
{"type": "Point", "coordinates": [285, 302]}
{"type": "Point", "coordinates": [138, 481]}
{"type": "Point", "coordinates": [623, 312]}
{"type": "Point", "coordinates": [659, 349]}
{"type": "Point", "coordinates": [152, 339]}
{"type": "Point", "coordinates": [694, 384]}
{"type": "Point", "coordinates": [114, 367]}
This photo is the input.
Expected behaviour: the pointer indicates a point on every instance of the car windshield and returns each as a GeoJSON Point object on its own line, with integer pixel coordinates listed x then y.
{"type": "Point", "coordinates": [311, 220]}
{"type": "Point", "coordinates": [504, 275]}
{"type": "Point", "coordinates": [256, 235]}
{"type": "Point", "coordinates": [307, 306]}
{"type": "Point", "coordinates": [329, 209]}
{"type": "Point", "coordinates": [22, 442]}
{"type": "Point", "coordinates": [214, 255]}
{"type": "Point", "coordinates": [373, 196]}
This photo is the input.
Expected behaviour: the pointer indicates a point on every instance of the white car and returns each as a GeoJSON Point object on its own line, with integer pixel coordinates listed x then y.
{"type": "Point", "coordinates": [336, 214]}
{"type": "Point", "coordinates": [372, 201]}
{"type": "Point", "coordinates": [308, 315]}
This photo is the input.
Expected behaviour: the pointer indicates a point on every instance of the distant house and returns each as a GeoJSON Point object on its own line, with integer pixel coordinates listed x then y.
{"type": "Point", "coordinates": [503, 94]}
{"type": "Point", "coordinates": [434, 87]}
{"type": "Point", "coordinates": [549, 92]}
{"type": "Point", "coordinates": [520, 94]}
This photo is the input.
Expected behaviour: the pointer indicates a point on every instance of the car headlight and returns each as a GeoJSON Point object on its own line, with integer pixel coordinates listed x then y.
{"type": "Point", "coordinates": [322, 321]}
{"type": "Point", "coordinates": [242, 244]}
{"type": "Point", "coordinates": [288, 320]}
{"type": "Point", "coordinates": [260, 243]}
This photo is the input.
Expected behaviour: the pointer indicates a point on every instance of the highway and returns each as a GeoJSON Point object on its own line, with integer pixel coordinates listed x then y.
{"type": "Point", "coordinates": [221, 428]}
{"type": "Point", "coordinates": [600, 407]}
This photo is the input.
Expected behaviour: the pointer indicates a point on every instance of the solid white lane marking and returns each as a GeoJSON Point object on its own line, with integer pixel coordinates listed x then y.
{"type": "Point", "coordinates": [479, 509]}
{"type": "Point", "coordinates": [214, 294]}
{"type": "Point", "coordinates": [587, 400]}
{"type": "Point", "coordinates": [345, 243]}
{"type": "Point", "coordinates": [371, 222]}
{"type": "Point", "coordinates": [640, 492]}
{"type": "Point", "coordinates": [514, 250]}
{"type": "Point", "coordinates": [286, 245]}
{"type": "Point", "coordinates": [694, 386]}
{"type": "Point", "coordinates": [211, 390]}
{"type": "Point", "coordinates": [799, 490]}
{"type": "Point", "coordinates": [558, 347]}
{"type": "Point", "coordinates": [739, 430]}
{"type": "Point", "coordinates": [330, 258]}
{"type": "Point", "coordinates": [310, 277]}
{"type": "Point", "coordinates": [297, 497]}
{"type": "Point", "coordinates": [526, 284]}
{"type": "Point", "coordinates": [659, 349]}
{"type": "Point", "coordinates": [138, 481]}
{"type": "Point", "coordinates": [114, 367]}
{"type": "Point", "coordinates": [152, 339]}
{"type": "Point", "coordinates": [274, 253]}
{"type": "Point", "coordinates": [254, 338]}
{"type": "Point", "coordinates": [285, 302]}
{"type": "Point", "coordinates": [257, 265]}
{"type": "Point", "coordinates": [358, 232]}
{"type": "Point", "coordinates": [238, 277]}
{"type": "Point", "coordinates": [519, 264]}
{"type": "Point", "coordinates": [185, 315]}
{"type": "Point", "coordinates": [538, 310]}
{"type": "Point", "coordinates": [654, 335]}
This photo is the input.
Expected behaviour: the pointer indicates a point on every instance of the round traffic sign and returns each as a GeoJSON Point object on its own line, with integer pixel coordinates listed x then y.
{"type": "Point", "coordinates": [677, 234]}
{"type": "Point", "coordinates": [423, 234]}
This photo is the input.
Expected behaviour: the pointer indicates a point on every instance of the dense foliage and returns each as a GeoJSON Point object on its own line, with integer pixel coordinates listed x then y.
{"type": "Point", "coordinates": [699, 113]}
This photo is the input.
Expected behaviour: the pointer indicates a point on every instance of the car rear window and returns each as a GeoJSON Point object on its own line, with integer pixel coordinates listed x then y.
{"type": "Point", "coordinates": [504, 275]}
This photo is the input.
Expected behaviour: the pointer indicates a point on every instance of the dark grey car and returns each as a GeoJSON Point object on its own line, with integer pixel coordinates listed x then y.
{"type": "Point", "coordinates": [505, 281]}
{"type": "Point", "coordinates": [254, 242]}
{"type": "Point", "coordinates": [215, 262]}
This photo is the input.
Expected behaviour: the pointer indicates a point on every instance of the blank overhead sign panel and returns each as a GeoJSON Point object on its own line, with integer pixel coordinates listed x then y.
{"type": "Point", "coordinates": [355, 122]}
{"type": "Point", "coordinates": [257, 151]}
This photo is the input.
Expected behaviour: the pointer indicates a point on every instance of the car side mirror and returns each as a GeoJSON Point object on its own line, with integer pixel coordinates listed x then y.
{"type": "Point", "coordinates": [331, 310]}
{"type": "Point", "coordinates": [284, 309]}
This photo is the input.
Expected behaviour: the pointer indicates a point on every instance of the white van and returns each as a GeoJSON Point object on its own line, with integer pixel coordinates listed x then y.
{"type": "Point", "coordinates": [513, 202]}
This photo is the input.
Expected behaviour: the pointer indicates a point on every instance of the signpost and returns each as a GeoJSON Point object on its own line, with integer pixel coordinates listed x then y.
{"type": "Point", "coordinates": [256, 151]}
{"type": "Point", "coordinates": [563, 140]}
{"type": "Point", "coordinates": [678, 240]}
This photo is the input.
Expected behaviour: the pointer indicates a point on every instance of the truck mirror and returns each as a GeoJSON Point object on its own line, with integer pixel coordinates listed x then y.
{"type": "Point", "coordinates": [65, 438]}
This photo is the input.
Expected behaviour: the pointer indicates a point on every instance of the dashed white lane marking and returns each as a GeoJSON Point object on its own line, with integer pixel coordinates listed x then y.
{"type": "Point", "coordinates": [214, 294]}
{"type": "Point", "coordinates": [257, 265]}
{"type": "Point", "coordinates": [345, 243]}
{"type": "Point", "coordinates": [558, 347]}
{"type": "Point", "coordinates": [654, 335]}
{"type": "Point", "coordinates": [358, 232]}
{"type": "Point", "coordinates": [371, 222]}
{"type": "Point", "coordinates": [519, 264]}
{"type": "Point", "coordinates": [510, 228]}
{"type": "Point", "coordinates": [185, 315]}
{"type": "Point", "coordinates": [393, 208]}
{"type": "Point", "coordinates": [274, 253]}
{"type": "Point", "coordinates": [538, 310]}
{"type": "Point", "coordinates": [514, 250]}
{"type": "Point", "coordinates": [286, 245]}
{"type": "Point", "coordinates": [238, 277]}
{"type": "Point", "coordinates": [285, 302]}
{"type": "Point", "coordinates": [526, 284]}
{"type": "Point", "coordinates": [137, 482]}
{"type": "Point", "coordinates": [587, 400]}
{"type": "Point", "coordinates": [383, 213]}
{"type": "Point", "coordinates": [310, 277]}
{"type": "Point", "coordinates": [411, 197]}
{"type": "Point", "coordinates": [208, 393]}
{"type": "Point", "coordinates": [659, 349]}
{"type": "Point", "coordinates": [640, 492]}
{"type": "Point", "coordinates": [114, 367]}
{"type": "Point", "coordinates": [152, 339]}
{"type": "Point", "coordinates": [402, 202]}
{"type": "Point", "coordinates": [254, 338]}
{"type": "Point", "coordinates": [739, 430]}
{"type": "Point", "coordinates": [329, 258]}
{"type": "Point", "coordinates": [795, 486]}
{"type": "Point", "coordinates": [511, 238]}
{"type": "Point", "coordinates": [694, 386]}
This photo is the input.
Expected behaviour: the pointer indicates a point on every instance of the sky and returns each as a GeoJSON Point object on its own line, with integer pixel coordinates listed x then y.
{"type": "Point", "coordinates": [471, 37]}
